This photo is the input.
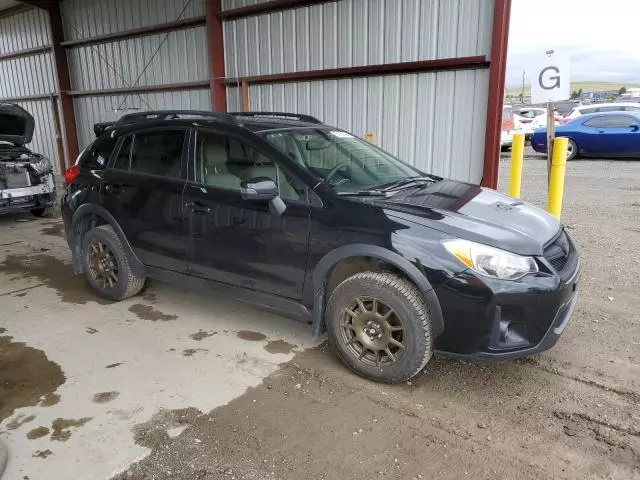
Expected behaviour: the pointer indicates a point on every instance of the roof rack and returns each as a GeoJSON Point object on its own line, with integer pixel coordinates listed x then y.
{"type": "Point", "coordinates": [293, 116]}
{"type": "Point", "coordinates": [173, 114]}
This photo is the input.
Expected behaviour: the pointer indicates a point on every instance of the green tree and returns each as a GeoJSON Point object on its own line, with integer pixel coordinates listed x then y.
{"type": "Point", "coordinates": [574, 95]}
{"type": "Point", "coordinates": [580, 92]}
{"type": "Point", "coordinates": [622, 90]}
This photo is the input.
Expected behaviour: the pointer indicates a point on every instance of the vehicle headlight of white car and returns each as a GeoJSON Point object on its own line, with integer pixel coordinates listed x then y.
{"type": "Point", "coordinates": [489, 261]}
{"type": "Point", "coordinates": [41, 165]}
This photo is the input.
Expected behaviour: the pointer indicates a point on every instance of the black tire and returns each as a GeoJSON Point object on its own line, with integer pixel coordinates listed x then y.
{"type": "Point", "coordinates": [572, 149]}
{"type": "Point", "coordinates": [128, 281]}
{"type": "Point", "coordinates": [396, 293]}
{"type": "Point", "coordinates": [43, 212]}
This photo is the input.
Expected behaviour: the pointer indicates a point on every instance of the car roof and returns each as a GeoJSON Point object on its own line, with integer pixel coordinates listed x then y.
{"type": "Point", "coordinates": [255, 122]}
{"type": "Point", "coordinates": [608, 104]}
{"type": "Point", "coordinates": [584, 118]}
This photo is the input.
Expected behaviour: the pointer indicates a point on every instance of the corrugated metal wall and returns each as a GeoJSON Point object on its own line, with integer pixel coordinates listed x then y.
{"type": "Point", "coordinates": [417, 117]}
{"type": "Point", "coordinates": [167, 58]}
{"type": "Point", "coordinates": [433, 120]}
{"type": "Point", "coordinates": [31, 75]}
{"type": "Point", "coordinates": [90, 110]}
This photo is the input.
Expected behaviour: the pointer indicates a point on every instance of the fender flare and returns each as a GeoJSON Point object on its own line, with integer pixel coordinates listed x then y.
{"type": "Point", "coordinates": [75, 242]}
{"type": "Point", "coordinates": [323, 268]}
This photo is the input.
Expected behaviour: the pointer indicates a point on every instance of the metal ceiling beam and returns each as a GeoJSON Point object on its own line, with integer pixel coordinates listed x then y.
{"type": "Point", "coordinates": [268, 7]}
{"type": "Point", "coordinates": [16, 9]}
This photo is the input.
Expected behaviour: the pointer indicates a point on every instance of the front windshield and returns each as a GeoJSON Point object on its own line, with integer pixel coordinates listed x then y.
{"type": "Point", "coordinates": [344, 162]}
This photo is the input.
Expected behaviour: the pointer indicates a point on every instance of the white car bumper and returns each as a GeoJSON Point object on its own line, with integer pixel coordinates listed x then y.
{"type": "Point", "coordinates": [47, 186]}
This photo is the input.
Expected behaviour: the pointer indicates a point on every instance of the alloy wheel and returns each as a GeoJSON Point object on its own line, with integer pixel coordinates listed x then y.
{"type": "Point", "coordinates": [103, 265]}
{"type": "Point", "coordinates": [373, 332]}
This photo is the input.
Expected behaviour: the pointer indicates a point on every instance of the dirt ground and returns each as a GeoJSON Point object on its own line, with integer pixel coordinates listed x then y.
{"type": "Point", "coordinates": [570, 413]}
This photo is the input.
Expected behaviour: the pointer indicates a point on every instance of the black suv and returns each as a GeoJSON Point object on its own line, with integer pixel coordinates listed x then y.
{"type": "Point", "coordinates": [303, 218]}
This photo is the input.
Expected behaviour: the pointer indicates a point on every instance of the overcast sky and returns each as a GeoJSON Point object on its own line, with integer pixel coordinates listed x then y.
{"type": "Point", "coordinates": [601, 37]}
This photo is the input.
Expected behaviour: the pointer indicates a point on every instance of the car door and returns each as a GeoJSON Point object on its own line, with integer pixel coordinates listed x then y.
{"type": "Point", "coordinates": [236, 241]}
{"type": "Point", "coordinates": [610, 134]}
{"type": "Point", "coordinates": [142, 189]}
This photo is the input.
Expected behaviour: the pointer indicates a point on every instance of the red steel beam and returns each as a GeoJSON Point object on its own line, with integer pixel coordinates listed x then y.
{"type": "Point", "coordinates": [138, 32]}
{"type": "Point", "coordinates": [171, 87]}
{"type": "Point", "coordinates": [268, 7]}
{"type": "Point", "coordinates": [28, 98]}
{"type": "Point", "coordinates": [495, 102]}
{"type": "Point", "coordinates": [367, 71]}
{"type": "Point", "coordinates": [64, 83]}
{"type": "Point", "coordinates": [215, 50]}
{"type": "Point", "coordinates": [26, 52]}
{"type": "Point", "coordinates": [16, 9]}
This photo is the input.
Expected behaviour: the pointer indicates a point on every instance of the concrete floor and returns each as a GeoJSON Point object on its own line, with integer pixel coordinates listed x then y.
{"type": "Point", "coordinates": [167, 349]}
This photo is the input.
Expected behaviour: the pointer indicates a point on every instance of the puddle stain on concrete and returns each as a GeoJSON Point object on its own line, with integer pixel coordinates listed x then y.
{"type": "Point", "coordinates": [53, 229]}
{"type": "Point", "coordinates": [279, 346]}
{"type": "Point", "coordinates": [26, 376]}
{"type": "Point", "coordinates": [105, 397]}
{"type": "Point", "coordinates": [114, 365]}
{"type": "Point", "coordinates": [49, 400]}
{"type": "Point", "coordinates": [42, 453]}
{"type": "Point", "coordinates": [62, 427]}
{"type": "Point", "coordinates": [201, 335]}
{"type": "Point", "coordinates": [19, 421]}
{"type": "Point", "coordinates": [154, 433]}
{"type": "Point", "coordinates": [189, 352]}
{"type": "Point", "coordinates": [53, 273]}
{"type": "Point", "coordinates": [251, 336]}
{"type": "Point", "coordinates": [146, 312]}
{"type": "Point", "coordinates": [38, 433]}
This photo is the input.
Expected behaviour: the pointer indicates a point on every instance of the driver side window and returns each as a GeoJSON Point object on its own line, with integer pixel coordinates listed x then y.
{"type": "Point", "coordinates": [224, 161]}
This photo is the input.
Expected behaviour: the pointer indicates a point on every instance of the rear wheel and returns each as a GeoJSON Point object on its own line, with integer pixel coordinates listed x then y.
{"type": "Point", "coordinates": [107, 266]}
{"type": "Point", "coordinates": [379, 326]}
{"type": "Point", "coordinates": [572, 149]}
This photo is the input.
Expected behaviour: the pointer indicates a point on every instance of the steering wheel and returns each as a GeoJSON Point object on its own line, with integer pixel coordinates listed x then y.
{"type": "Point", "coordinates": [340, 166]}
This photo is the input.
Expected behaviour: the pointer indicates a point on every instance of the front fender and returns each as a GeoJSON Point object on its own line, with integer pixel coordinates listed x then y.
{"type": "Point", "coordinates": [326, 263]}
{"type": "Point", "coordinates": [75, 240]}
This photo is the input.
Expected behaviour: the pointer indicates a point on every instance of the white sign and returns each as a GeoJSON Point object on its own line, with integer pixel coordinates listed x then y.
{"type": "Point", "coordinates": [550, 79]}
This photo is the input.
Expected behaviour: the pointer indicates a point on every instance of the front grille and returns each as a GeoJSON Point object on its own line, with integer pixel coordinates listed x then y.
{"type": "Point", "coordinates": [561, 254]}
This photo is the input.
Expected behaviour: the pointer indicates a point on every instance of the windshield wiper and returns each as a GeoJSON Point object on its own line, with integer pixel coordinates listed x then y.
{"type": "Point", "coordinates": [406, 182]}
{"type": "Point", "coordinates": [364, 193]}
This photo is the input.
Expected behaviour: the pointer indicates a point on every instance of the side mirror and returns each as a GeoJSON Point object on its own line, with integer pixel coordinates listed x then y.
{"type": "Point", "coordinates": [259, 188]}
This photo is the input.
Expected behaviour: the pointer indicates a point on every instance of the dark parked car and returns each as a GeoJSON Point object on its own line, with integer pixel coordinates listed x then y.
{"type": "Point", "coordinates": [300, 217]}
{"type": "Point", "coordinates": [614, 134]}
{"type": "Point", "coordinates": [26, 178]}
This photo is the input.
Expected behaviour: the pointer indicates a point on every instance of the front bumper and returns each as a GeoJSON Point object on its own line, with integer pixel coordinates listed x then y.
{"type": "Point", "coordinates": [28, 198]}
{"type": "Point", "coordinates": [501, 320]}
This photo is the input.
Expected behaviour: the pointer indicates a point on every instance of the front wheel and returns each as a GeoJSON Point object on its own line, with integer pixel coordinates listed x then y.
{"type": "Point", "coordinates": [572, 149]}
{"type": "Point", "coordinates": [378, 325]}
{"type": "Point", "coordinates": [107, 265]}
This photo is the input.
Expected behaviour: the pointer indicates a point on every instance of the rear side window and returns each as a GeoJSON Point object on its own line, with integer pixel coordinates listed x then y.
{"type": "Point", "coordinates": [158, 153]}
{"type": "Point", "coordinates": [610, 121]}
{"type": "Point", "coordinates": [124, 154]}
{"type": "Point", "coordinates": [98, 154]}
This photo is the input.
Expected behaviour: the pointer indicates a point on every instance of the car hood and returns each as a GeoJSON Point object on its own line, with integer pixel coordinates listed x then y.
{"type": "Point", "coordinates": [475, 213]}
{"type": "Point", "coordinates": [16, 124]}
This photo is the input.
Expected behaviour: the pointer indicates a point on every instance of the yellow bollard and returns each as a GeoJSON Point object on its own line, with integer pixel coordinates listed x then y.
{"type": "Point", "coordinates": [556, 178]}
{"type": "Point", "coordinates": [517, 158]}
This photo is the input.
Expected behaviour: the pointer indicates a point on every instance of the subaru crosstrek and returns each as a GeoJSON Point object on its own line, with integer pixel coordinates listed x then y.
{"type": "Point", "coordinates": [303, 218]}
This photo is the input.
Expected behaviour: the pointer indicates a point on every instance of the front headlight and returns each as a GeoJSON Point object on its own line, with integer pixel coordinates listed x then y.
{"type": "Point", "coordinates": [490, 261]}
{"type": "Point", "coordinates": [42, 165]}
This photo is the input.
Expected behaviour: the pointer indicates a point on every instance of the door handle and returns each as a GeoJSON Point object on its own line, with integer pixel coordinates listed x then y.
{"type": "Point", "coordinates": [197, 207]}
{"type": "Point", "coordinates": [600, 131]}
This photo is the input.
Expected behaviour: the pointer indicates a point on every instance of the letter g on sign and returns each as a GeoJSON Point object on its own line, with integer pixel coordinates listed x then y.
{"type": "Point", "coordinates": [547, 79]}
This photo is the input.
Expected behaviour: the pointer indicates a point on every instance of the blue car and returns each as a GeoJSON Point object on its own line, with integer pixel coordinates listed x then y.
{"type": "Point", "coordinates": [613, 134]}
